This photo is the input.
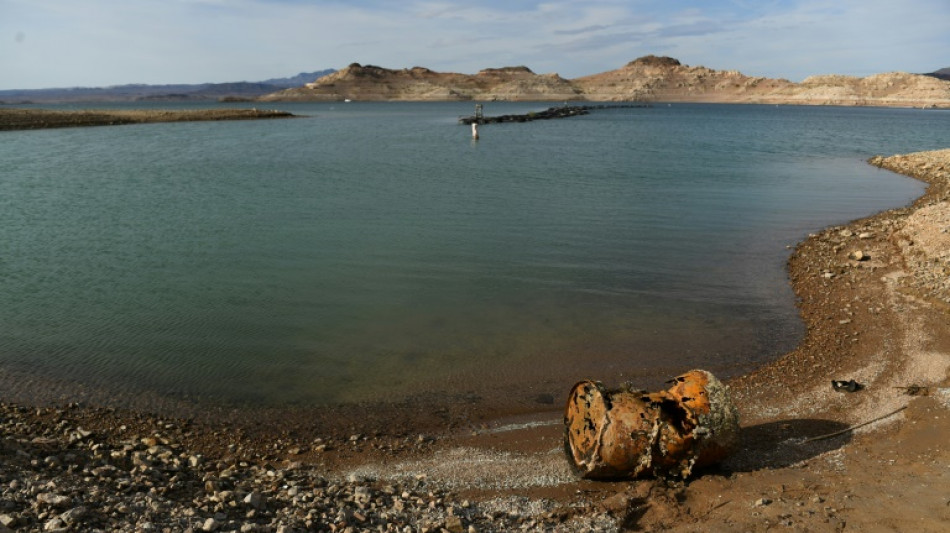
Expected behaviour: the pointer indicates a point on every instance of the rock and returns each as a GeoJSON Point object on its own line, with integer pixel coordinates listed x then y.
{"type": "Point", "coordinates": [616, 504]}
{"type": "Point", "coordinates": [54, 525]}
{"type": "Point", "coordinates": [859, 255]}
{"type": "Point", "coordinates": [546, 399]}
{"type": "Point", "coordinates": [73, 516]}
{"type": "Point", "coordinates": [454, 524]}
{"type": "Point", "coordinates": [353, 477]}
{"type": "Point", "coordinates": [762, 502]}
{"type": "Point", "coordinates": [255, 499]}
{"type": "Point", "coordinates": [362, 495]}
{"type": "Point", "coordinates": [52, 500]}
{"type": "Point", "coordinates": [210, 525]}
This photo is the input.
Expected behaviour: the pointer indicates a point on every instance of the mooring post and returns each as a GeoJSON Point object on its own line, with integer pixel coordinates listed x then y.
{"type": "Point", "coordinates": [475, 130]}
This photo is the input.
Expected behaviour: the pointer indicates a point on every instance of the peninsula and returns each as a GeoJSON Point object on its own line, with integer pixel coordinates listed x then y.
{"type": "Point", "coordinates": [31, 119]}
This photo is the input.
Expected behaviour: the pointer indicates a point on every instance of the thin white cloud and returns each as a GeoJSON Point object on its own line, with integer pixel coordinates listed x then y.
{"type": "Point", "coordinates": [586, 29]}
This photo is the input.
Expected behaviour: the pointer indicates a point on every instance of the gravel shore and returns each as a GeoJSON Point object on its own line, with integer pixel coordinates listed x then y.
{"type": "Point", "coordinates": [875, 299]}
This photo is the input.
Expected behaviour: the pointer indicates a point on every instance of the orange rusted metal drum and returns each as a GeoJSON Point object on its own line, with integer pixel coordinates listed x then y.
{"type": "Point", "coordinates": [608, 434]}
{"type": "Point", "coordinates": [631, 433]}
{"type": "Point", "coordinates": [714, 418]}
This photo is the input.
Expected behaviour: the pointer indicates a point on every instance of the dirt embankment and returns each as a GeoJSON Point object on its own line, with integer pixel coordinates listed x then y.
{"type": "Point", "coordinates": [31, 119]}
{"type": "Point", "coordinates": [876, 303]}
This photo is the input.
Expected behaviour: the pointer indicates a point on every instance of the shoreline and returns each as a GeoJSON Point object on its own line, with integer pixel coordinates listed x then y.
{"type": "Point", "coordinates": [879, 318]}
{"type": "Point", "coordinates": [14, 119]}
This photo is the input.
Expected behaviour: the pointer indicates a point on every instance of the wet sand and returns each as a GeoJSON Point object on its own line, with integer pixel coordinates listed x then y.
{"type": "Point", "coordinates": [31, 119]}
{"type": "Point", "coordinates": [812, 458]}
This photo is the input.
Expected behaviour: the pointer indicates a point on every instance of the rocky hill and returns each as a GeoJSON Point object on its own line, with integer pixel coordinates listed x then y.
{"type": "Point", "coordinates": [647, 79]}
{"type": "Point", "coordinates": [898, 89]}
{"type": "Point", "coordinates": [358, 82]}
{"type": "Point", "coordinates": [665, 79]}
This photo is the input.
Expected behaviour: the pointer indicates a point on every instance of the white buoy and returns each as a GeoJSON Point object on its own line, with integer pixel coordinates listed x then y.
{"type": "Point", "coordinates": [475, 130]}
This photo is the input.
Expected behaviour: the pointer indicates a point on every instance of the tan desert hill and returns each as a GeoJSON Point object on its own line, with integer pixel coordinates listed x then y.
{"type": "Point", "coordinates": [647, 79]}
{"type": "Point", "coordinates": [358, 82]}
{"type": "Point", "coordinates": [664, 79]}
{"type": "Point", "coordinates": [898, 89]}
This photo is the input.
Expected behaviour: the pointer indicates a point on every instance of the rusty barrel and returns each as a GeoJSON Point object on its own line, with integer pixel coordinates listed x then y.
{"type": "Point", "coordinates": [629, 433]}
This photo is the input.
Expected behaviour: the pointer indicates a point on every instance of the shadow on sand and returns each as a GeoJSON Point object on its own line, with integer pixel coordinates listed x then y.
{"type": "Point", "coordinates": [784, 443]}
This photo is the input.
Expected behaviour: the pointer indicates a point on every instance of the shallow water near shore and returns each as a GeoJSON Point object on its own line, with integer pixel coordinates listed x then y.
{"type": "Point", "coordinates": [375, 251]}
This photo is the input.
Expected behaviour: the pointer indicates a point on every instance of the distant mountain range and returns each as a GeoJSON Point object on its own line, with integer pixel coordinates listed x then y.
{"type": "Point", "coordinates": [943, 74]}
{"type": "Point", "coordinates": [175, 92]}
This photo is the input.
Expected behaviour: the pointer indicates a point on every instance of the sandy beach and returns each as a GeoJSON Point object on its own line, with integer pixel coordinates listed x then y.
{"type": "Point", "coordinates": [875, 299]}
{"type": "Point", "coordinates": [31, 119]}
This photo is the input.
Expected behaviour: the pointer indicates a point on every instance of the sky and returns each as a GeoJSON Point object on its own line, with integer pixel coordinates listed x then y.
{"type": "Point", "coordinates": [96, 43]}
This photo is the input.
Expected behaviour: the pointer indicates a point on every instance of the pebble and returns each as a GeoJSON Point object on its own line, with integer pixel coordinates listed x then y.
{"type": "Point", "coordinates": [52, 500]}
{"type": "Point", "coordinates": [254, 499]}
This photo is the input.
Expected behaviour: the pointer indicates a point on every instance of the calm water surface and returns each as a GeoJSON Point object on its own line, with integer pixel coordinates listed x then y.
{"type": "Point", "coordinates": [375, 250]}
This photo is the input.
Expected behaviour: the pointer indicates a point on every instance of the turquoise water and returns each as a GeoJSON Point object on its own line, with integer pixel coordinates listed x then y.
{"type": "Point", "coordinates": [372, 250]}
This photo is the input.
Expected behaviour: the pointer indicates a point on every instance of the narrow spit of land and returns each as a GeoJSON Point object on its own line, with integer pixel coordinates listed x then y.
{"type": "Point", "coordinates": [33, 119]}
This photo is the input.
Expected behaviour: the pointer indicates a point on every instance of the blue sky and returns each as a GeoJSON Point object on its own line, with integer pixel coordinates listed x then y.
{"type": "Point", "coordinates": [66, 43]}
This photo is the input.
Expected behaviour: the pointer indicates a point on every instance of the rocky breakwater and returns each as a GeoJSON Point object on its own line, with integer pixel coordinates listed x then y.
{"type": "Point", "coordinates": [548, 114]}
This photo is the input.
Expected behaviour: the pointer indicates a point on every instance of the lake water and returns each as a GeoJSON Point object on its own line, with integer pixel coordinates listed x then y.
{"type": "Point", "coordinates": [374, 250]}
